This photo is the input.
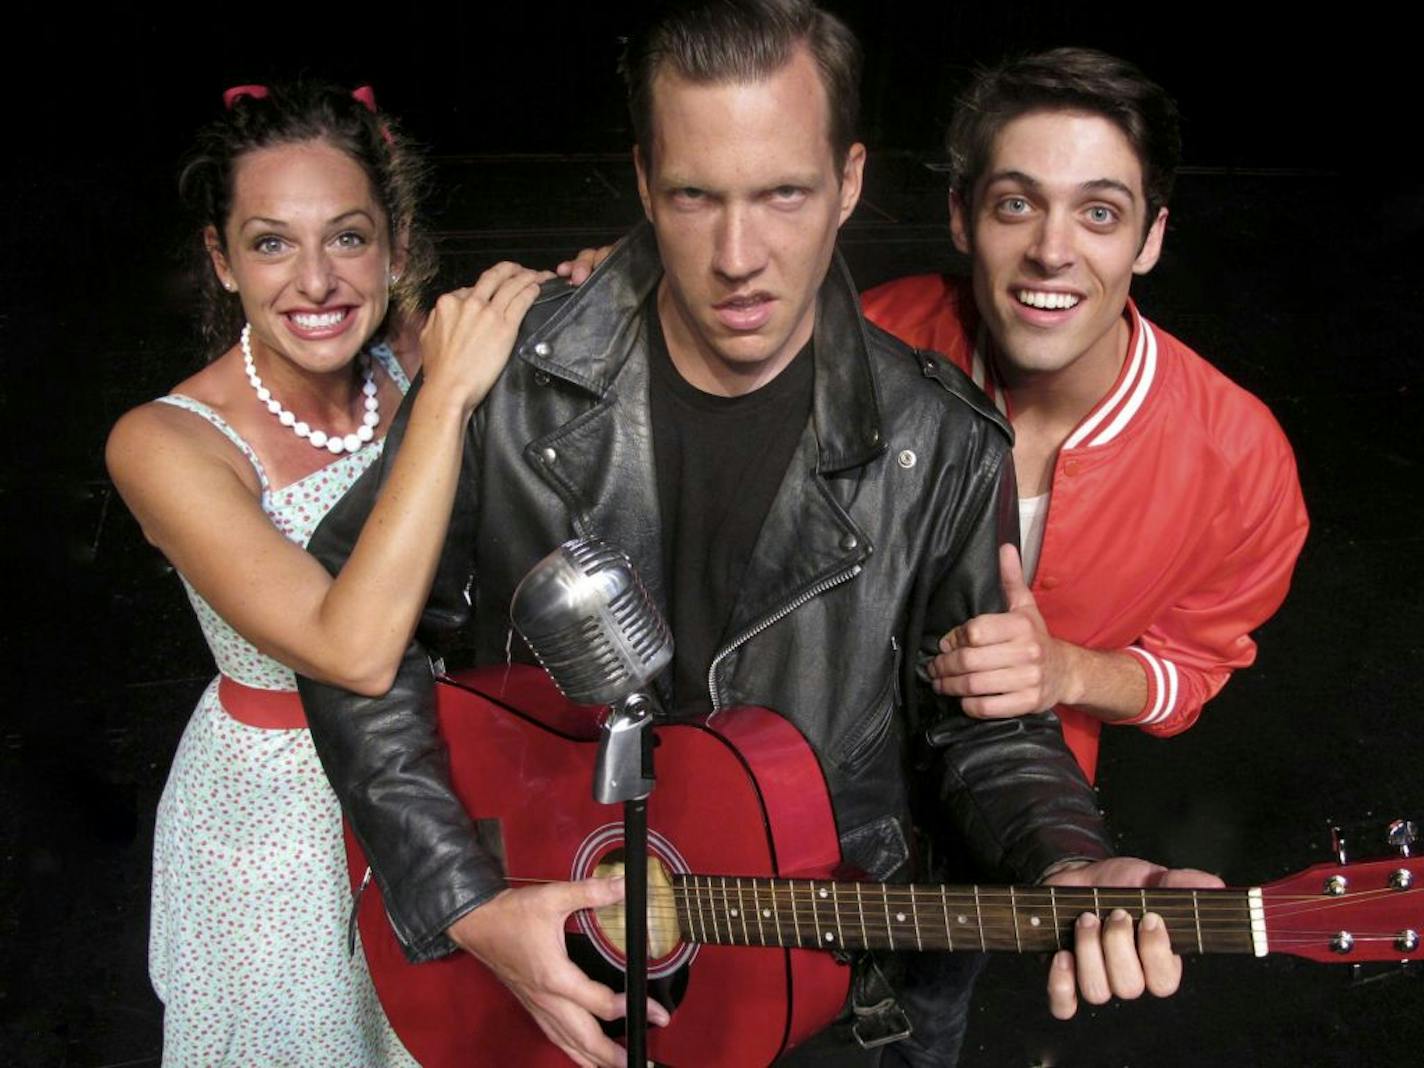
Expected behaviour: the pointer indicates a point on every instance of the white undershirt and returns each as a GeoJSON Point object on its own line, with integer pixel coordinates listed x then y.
{"type": "Point", "coordinates": [1033, 515]}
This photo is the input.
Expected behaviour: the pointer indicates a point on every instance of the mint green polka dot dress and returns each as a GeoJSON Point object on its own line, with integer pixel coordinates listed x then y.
{"type": "Point", "coordinates": [247, 943]}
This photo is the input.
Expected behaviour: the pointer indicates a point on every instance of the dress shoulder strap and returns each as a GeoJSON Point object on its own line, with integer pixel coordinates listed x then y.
{"type": "Point", "coordinates": [385, 356]}
{"type": "Point", "coordinates": [197, 407]}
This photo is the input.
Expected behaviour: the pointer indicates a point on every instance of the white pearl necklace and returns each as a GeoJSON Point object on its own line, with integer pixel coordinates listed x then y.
{"type": "Point", "coordinates": [335, 444]}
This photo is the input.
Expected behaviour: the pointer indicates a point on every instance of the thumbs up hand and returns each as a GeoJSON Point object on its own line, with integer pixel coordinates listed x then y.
{"type": "Point", "coordinates": [1006, 664]}
{"type": "Point", "coordinates": [1011, 578]}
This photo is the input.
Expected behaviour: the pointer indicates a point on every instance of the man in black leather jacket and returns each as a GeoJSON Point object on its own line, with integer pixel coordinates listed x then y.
{"type": "Point", "coordinates": [880, 535]}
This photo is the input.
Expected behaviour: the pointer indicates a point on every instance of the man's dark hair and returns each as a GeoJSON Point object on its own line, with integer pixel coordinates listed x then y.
{"type": "Point", "coordinates": [714, 41]}
{"type": "Point", "coordinates": [1067, 79]}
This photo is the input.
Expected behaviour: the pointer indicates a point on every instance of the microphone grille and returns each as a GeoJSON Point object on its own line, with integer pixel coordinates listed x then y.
{"type": "Point", "coordinates": [590, 622]}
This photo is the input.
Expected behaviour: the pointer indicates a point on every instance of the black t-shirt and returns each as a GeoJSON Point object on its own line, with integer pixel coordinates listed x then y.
{"type": "Point", "coordinates": [720, 461]}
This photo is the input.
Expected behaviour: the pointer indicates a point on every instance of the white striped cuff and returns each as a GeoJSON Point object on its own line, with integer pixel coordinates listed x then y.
{"type": "Point", "coordinates": [1161, 688]}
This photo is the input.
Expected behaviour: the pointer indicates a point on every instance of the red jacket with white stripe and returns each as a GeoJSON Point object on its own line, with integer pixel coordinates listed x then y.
{"type": "Point", "coordinates": [1175, 517]}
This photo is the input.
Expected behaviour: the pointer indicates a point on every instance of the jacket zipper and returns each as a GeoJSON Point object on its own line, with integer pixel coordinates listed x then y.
{"type": "Point", "coordinates": [751, 632]}
{"type": "Point", "coordinates": [355, 909]}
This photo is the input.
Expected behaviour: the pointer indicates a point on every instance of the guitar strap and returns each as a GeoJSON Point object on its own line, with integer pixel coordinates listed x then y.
{"type": "Point", "coordinates": [879, 1019]}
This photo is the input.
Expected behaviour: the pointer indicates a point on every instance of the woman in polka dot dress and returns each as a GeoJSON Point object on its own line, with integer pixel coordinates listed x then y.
{"type": "Point", "coordinates": [304, 198]}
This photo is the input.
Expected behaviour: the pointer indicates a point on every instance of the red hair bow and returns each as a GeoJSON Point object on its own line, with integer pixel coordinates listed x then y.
{"type": "Point", "coordinates": [237, 92]}
{"type": "Point", "coordinates": [365, 96]}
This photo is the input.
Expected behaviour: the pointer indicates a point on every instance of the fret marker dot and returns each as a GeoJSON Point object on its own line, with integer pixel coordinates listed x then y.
{"type": "Point", "coordinates": [1034, 921]}
{"type": "Point", "coordinates": [766, 913]}
{"type": "Point", "coordinates": [734, 912]}
{"type": "Point", "coordinates": [961, 919]}
{"type": "Point", "coordinates": [830, 937]}
{"type": "Point", "coordinates": [825, 892]}
{"type": "Point", "coordinates": [900, 916]}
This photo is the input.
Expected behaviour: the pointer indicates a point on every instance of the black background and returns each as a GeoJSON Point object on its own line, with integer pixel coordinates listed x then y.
{"type": "Point", "coordinates": [1291, 262]}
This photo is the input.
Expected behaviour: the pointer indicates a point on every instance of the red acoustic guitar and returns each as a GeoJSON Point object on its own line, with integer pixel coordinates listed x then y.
{"type": "Point", "coordinates": [743, 843]}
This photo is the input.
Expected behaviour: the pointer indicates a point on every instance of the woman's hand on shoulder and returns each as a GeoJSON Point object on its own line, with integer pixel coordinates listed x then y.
{"type": "Point", "coordinates": [470, 333]}
{"type": "Point", "coordinates": [587, 260]}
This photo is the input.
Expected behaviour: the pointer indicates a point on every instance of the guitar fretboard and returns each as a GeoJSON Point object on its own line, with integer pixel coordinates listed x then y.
{"type": "Point", "coordinates": [816, 914]}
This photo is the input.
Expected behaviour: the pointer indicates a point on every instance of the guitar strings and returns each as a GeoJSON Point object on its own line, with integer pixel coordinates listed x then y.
{"type": "Point", "coordinates": [712, 904]}
{"type": "Point", "coordinates": [1202, 901]}
{"type": "Point", "coordinates": [1081, 899]}
{"type": "Point", "coordinates": [851, 931]}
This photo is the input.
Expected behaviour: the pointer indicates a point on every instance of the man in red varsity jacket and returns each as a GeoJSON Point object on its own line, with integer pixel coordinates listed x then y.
{"type": "Point", "coordinates": [1160, 512]}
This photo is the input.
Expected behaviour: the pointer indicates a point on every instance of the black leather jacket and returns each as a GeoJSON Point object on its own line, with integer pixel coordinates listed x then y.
{"type": "Point", "coordinates": [881, 538]}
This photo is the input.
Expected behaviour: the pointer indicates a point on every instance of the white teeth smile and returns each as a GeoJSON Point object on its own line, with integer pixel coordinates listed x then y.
{"type": "Point", "coordinates": [308, 321]}
{"type": "Point", "coordinates": [1048, 301]}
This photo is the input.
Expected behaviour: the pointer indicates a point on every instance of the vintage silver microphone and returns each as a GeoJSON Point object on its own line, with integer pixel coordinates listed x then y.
{"type": "Point", "coordinates": [588, 618]}
{"type": "Point", "coordinates": [591, 624]}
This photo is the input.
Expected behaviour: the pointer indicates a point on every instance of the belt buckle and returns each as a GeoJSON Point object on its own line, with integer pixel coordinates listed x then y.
{"type": "Point", "coordinates": [883, 1023]}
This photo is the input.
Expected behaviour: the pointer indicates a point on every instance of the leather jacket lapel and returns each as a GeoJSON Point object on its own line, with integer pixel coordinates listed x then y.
{"type": "Point", "coordinates": [600, 462]}
{"type": "Point", "coordinates": [589, 338]}
{"type": "Point", "coordinates": [846, 416]}
{"type": "Point", "coordinates": [807, 545]}
{"type": "Point", "coordinates": [808, 541]}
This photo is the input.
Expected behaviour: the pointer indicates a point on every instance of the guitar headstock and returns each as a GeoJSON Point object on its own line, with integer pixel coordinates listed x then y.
{"type": "Point", "coordinates": [1346, 912]}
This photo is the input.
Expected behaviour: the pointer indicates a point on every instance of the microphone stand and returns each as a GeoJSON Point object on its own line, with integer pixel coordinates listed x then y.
{"type": "Point", "coordinates": [624, 772]}
{"type": "Point", "coordinates": [590, 622]}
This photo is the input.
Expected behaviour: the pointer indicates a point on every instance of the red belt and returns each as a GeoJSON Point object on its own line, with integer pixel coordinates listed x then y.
{"type": "Point", "coordinates": [269, 710]}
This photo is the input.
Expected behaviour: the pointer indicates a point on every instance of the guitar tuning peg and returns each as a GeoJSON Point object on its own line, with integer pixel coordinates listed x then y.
{"type": "Point", "coordinates": [1402, 835]}
{"type": "Point", "coordinates": [1337, 844]}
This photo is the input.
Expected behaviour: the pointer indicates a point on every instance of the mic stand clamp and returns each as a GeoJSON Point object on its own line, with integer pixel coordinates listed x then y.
{"type": "Point", "coordinates": [624, 772]}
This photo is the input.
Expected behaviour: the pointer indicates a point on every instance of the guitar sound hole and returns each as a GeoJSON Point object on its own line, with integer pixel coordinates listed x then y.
{"type": "Point", "coordinates": [664, 938]}
{"type": "Point", "coordinates": [663, 934]}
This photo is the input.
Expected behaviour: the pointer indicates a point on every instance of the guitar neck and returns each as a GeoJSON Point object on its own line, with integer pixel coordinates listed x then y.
{"type": "Point", "coordinates": [817, 914]}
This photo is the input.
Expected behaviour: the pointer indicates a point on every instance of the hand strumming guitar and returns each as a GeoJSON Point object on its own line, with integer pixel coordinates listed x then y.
{"type": "Point", "coordinates": [519, 936]}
